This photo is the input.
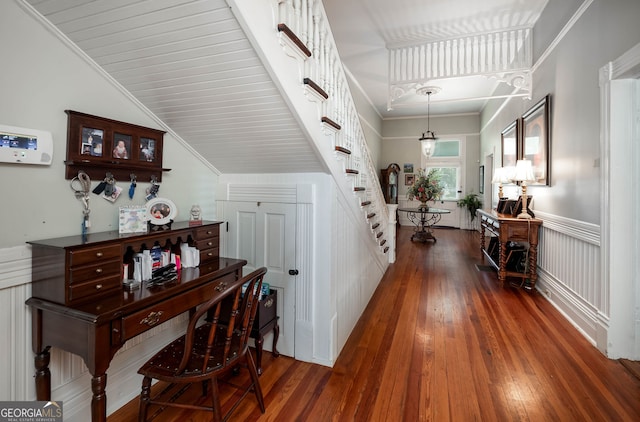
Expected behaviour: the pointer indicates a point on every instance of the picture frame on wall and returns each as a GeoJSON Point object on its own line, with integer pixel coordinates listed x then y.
{"type": "Point", "coordinates": [409, 179]}
{"type": "Point", "coordinates": [536, 140]}
{"type": "Point", "coordinates": [481, 180]}
{"type": "Point", "coordinates": [408, 168]}
{"type": "Point", "coordinates": [510, 142]}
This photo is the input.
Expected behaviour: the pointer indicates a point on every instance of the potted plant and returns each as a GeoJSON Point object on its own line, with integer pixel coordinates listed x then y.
{"type": "Point", "coordinates": [472, 203]}
{"type": "Point", "coordinates": [427, 187]}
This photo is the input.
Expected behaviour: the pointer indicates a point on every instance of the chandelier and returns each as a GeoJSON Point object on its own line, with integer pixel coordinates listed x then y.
{"type": "Point", "coordinates": [428, 138]}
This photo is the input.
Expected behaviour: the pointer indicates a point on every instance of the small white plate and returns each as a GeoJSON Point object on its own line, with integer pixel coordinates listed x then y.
{"type": "Point", "coordinates": [161, 211]}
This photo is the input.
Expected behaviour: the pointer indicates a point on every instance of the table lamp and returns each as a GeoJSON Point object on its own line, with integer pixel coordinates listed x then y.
{"type": "Point", "coordinates": [524, 174]}
{"type": "Point", "coordinates": [502, 175]}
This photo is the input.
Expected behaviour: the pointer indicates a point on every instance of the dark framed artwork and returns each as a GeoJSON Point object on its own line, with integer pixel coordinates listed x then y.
{"type": "Point", "coordinates": [536, 140]}
{"type": "Point", "coordinates": [409, 179]}
{"type": "Point", "coordinates": [481, 178]}
{"type": "Point", "coordinates": [510, 138]}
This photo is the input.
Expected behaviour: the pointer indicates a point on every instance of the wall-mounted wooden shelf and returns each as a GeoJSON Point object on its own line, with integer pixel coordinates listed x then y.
{"type": "Point", "coordinates": [97, 146]}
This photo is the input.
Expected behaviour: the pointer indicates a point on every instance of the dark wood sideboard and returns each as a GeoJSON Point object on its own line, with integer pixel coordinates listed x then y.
{"type": "Point", "coordinates": [79, 304]}
{"type": "Point", "coordinates": [509, 234]}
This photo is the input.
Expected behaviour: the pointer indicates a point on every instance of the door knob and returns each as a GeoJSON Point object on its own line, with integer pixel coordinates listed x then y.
{"type": "Point", "coordinates": [293, 272]}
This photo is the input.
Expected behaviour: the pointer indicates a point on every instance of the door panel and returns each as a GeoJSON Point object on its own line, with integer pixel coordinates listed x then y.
{"type": "Point", "coordinates": [264, 235]}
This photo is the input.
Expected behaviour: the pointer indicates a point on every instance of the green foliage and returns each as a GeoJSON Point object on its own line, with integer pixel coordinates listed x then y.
{"type": "Point", "coordinates": [427, 187]}
{"type": "Point", "coordinates": [472, 203]}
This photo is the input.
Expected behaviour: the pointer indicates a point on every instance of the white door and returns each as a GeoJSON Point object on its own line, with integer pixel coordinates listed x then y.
{"type": "Point", "coordinates": [264, 235]}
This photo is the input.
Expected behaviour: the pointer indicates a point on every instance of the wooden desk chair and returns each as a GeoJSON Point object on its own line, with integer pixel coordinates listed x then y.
{"type": "Point", "coordinates": [208, 349]}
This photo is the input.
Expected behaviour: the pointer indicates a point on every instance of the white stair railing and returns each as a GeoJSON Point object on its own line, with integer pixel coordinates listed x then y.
{"type": "Point", "coordinates": [321, 64]}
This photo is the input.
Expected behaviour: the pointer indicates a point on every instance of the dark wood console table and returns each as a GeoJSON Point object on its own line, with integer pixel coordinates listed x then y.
{"type": "Point", "coordinates": [76, 308]}
{"type": "Point", "coordinates": [506, 229]}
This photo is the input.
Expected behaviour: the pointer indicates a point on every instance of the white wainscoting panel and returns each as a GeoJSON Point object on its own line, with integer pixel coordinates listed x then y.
{"type": "Point", "coordinates": [356, 273]}
{"type": "Point", "coordinates": [569, 271]}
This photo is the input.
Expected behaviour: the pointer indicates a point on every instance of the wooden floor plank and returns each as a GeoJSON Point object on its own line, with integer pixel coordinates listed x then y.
{"type": "Point", "coordinates": [441, 341]}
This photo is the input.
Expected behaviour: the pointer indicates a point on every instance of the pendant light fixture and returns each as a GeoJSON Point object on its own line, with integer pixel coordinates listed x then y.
{"type": "Point", "coordinates": [428, 138]}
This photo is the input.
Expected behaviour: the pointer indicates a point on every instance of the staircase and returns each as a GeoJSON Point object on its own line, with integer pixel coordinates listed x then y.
{"type": "Point", "coordinates": [304, 37]}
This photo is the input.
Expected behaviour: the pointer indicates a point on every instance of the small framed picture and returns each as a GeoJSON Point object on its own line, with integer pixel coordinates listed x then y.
{"type": "Point", "coordinates": [132, 219]}
{"type": "Point", "coordinates": [147, 150]}
{"type": "Point", "coordinates": [409, 179]}
{"type": "Point", "coordinates": [92, 140]}
{"type": "Point", "coordinates": [536, 139]}
{"type": "Point", "coordinates": [408, 168]}
{"type": "Point", "coordinates": [510, 142]}
{"type": "Point", "coordinates": [121, 146]}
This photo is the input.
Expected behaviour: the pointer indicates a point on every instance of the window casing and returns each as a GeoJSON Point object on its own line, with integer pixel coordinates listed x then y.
{"type": "Point", "coordinates": [448, 158]}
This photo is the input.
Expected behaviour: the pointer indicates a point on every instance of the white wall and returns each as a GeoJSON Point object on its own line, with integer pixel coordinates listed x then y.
{"type": "Point", "coordinates": [41, 77]}
{"type": "Point", "coordinates": [569, 72]}
{"type": "Point", "coordinates": [345, 268]}
{"type": "Point", "coordinates": [400, 144]}
{"type": "Point", "coordinates": [568, 69]}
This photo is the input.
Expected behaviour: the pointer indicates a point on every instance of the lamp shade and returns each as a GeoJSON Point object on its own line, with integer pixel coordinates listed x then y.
{"type": "Point", "coordinates": [503, 175]}
{"type": "Point", "coordinates": [524, 172]}
{"type": "Point", "coordinates": [428, 143]}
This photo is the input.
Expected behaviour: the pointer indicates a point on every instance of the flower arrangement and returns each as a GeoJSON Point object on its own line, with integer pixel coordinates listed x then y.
{"type": "Point", "coordinates": [427, 186]}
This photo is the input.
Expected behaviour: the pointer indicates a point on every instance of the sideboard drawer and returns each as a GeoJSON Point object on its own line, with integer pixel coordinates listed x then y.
{"type": "Point", "coordinates": [207, 232]}
{"type": "Point", "coordinates": [91, 272]}
{"type": "Point", "coordinates": [94, 288]}
{"type": "Point", "coordinates": [207, 254]}
{"type": "Point", "coordinates": [94, 255]}
{"type": "Point", "coordinates": [141, 321]}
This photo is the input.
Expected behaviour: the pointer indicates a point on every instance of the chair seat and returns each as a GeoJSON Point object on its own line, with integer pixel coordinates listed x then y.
{"type": "Point", "coordinates": [164, 364]}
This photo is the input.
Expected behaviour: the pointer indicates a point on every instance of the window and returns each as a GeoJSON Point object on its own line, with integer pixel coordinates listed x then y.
{"type": "Point", "coordinates": [448, 158]}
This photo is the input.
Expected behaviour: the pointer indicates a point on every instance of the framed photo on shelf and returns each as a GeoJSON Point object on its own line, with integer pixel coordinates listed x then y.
{"type": "Point", "coordinates": [147, 149]}
{"type": "Point", "coordinates": [121, 146]}
{"type": "Point", "coordinates": [536, 140]}
{"type": "Point", "coordinates": [92, 140]}
{"type": "Point", "coordinates": [510, 142]}
{"type": "Point", "coordinates": [409, 179]}
{"type": "Point", "coordinates": [132, 219]}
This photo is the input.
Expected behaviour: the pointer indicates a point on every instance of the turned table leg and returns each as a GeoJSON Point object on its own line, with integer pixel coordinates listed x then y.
{"type": "Point", "coordinates": [43, 375]}
{"type": "Point", "coordinates": [99, 399]}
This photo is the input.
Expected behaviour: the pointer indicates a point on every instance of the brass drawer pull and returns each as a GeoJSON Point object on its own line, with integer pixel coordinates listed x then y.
{"type": "Point", "coordinates": [268, 303]}
{"type": "Point", "coordinates": [98, 270]}
{"type": "Point", "coordinates": [210, 254]}
{"type": "Point", "coordinates": [98, 286]}
{"type": "Point", "coordinates": [209, 232]}
{"type": "Point", "coordinates": [99, 254]}
{"type": "Point", "coordinates": [221, 287]}
{"type": "Point", "coordinates": [209, 243]}
{"type": "Point", "coordinates": [152, 319]}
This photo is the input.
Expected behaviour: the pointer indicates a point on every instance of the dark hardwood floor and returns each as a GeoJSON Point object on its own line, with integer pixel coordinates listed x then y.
{"type": "Point", "coordinates": [441, 341]}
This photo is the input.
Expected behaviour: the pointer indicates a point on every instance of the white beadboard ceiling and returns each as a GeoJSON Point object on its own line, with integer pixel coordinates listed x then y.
{"type": "Point", "coordinates": [189, 62]}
